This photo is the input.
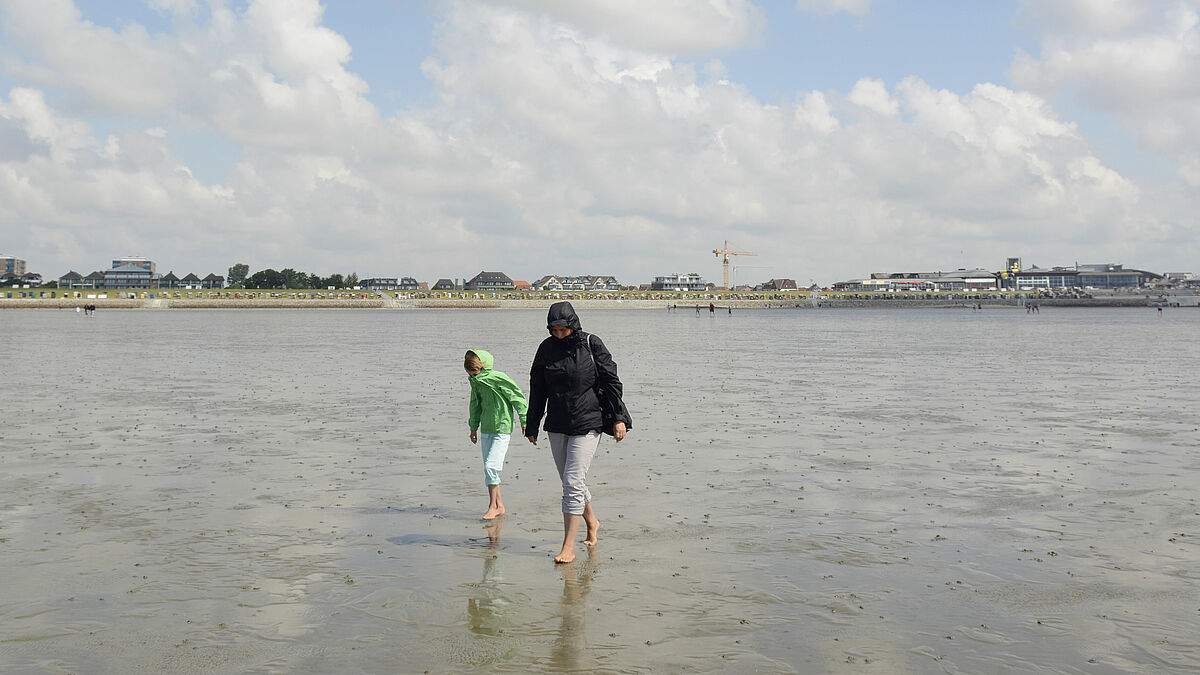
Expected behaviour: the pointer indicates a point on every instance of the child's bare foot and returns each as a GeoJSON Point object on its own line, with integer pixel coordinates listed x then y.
{"type": "Point", "coordinates": [493, 513]}
{"type": "Point", "coordinates": [565, 556]}
{"type": "Point", "coordinates": [593, 528]}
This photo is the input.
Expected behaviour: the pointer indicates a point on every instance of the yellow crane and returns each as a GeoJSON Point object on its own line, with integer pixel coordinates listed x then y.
{"type": "Point", "coordinates": [724, 251]}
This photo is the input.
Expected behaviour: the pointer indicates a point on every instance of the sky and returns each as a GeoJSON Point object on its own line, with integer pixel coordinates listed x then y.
{"type": "Point", "coordinates": [441, 138]}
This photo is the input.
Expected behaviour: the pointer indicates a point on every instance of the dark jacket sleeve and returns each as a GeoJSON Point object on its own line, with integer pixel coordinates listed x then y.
{"type": "Point", "coordinates": [607, 382]}
{"type": "Point", "coordinates": [537, 392]}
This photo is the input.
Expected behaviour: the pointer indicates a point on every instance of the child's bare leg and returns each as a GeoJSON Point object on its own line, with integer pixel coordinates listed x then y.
{"type": "Point", "coordinates": [495, 505]}
{"type": "Point", "coordinates": [570, 527]}
{"type": "Point", "coordinates": [593, 525]}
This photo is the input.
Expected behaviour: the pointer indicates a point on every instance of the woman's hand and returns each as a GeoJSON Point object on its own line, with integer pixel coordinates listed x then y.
{"type": "Point", "coordinates": [532, 439]}
{"type": "Point", "coordinates": [619, 431]}
{"type": "Point", "coordinates": [474, 436]}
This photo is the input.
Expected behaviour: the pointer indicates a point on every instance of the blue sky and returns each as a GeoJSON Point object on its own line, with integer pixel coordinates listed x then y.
{"type": "Point", "coordinates": [439, 137]}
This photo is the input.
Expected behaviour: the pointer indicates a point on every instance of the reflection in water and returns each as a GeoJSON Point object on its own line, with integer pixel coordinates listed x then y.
{"type": "Point", "coordinates": [485, 611]}
{"type": "Point", "coordinates": [570, 645]}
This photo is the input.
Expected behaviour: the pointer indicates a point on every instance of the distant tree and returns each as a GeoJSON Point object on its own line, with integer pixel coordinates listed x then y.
{"type": "Point", "coordinates": [291, 278]}
{"type": "Point", "coordinates": [237, 274]}
{"type": "Point", "coordinates": [335, 280]}
{"type": "Point", "coordinates": [267, 278]}
{"type": "Point", "coordinates": [352, 280]}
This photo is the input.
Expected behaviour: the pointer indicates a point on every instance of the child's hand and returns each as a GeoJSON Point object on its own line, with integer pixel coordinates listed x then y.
{"type": "Point", "coordinates": [474, 436]}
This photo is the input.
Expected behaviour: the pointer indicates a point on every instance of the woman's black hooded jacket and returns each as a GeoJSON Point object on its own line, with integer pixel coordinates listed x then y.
{"type": "Point", "coordinates": [565, 378]}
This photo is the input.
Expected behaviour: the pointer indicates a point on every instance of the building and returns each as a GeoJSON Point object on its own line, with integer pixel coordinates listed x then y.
{"type": "Point", "coordinates": [780, 285]}
{"type": "Point", "coordinates": [678, 282]}
{"type": "Point", "coordinates": [190, 281]}
{"type": "Point", "coordinates": [94, 280]}
{"type": "Point", "coordinates": [522, 285]}
{"type": "Point", "coordinates": [71, 279]}
{"type": "Point", "coordinates": [130, 276]}
{"type": "Point", "coordinates": [11, 266]}
{"type": "Point", "coordinates": [489, 281]}
{"type": "Point", "coordinates": [408, 284]}
{"type": "Point", "coordinates": [960, 280]}
{"type": "Point", "coordinates": [213, 280]}
{"type": "Point", "coordinates": [379, 284]}
{"type": "Point", "coordinates": [169, 280]}
{"type": "Point", "coordinates": [444, 285]}
{"type": "Point", "coordinates": [134, 261]}
{"type": "Point", "coordinates": [1106, 276]}
{"type": "Point", "coordinates": [30, 279]}
{"type": "Point", "coordinates": [589, 282]}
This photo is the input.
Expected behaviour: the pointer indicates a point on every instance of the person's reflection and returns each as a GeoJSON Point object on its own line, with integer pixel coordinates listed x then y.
{"type": "Point", "coordinates": [485, 611]}
{"type": "Point", "coordinates": [571, 644]}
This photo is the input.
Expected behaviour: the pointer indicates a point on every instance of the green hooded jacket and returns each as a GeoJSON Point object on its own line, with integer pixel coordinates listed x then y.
{"type": "Point", "coordinates": [494, 396]}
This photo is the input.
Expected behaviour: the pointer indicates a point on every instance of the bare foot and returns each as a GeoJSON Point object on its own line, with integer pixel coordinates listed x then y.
{"type": "Point", "coordinates": [593, 527]}
{"type": "Point", "coordinates": [565, 556]}
{"type": "Point", "coordinates": [493, 512]}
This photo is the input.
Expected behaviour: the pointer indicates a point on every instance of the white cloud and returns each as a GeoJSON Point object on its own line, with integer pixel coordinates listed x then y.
{"type": "Point", "coordinates": [834, 6]}
{"type": "Point", "coordinates": [181, 7]}
{"type": "Point", "coordinates": [1137, 61]}
{"type": "Point", "coordinates": [873, 95]}
{"type": "Point", "coordinates": [1084, 16]}
{"type": "Point", "coordinates": [667, 26]}
{"type": "Point", "coordinates": [550, 145]}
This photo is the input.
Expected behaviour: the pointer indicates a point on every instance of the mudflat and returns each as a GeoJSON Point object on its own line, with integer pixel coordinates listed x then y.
{"type": "Point", "coordinates": [873, 491]}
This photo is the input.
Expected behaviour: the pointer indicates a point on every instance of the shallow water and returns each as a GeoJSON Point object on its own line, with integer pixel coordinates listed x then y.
{"type": "Point", "coordinates": [803, 491]}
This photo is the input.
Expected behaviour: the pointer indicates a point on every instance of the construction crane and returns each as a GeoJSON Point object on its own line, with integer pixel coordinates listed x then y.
{"type": "Point", "coordinates": [724, 251]}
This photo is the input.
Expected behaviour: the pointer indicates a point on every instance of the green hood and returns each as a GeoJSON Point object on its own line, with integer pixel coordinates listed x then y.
{"type": "Point", "coordinates": [494, 398]}
{"type": "Point", "coordinates": [485, 356]}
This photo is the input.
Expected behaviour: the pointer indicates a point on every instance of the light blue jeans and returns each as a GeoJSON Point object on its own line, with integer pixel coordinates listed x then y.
{"type": "Point", "coordinates": [573, 456]}
{"type": "Point", "coordinates": [494, 446]}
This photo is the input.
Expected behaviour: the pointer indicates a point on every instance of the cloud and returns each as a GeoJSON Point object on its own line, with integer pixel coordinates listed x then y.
{"type": "Point", "coordinates": [1137, 61]}
{"type": "Point", "coordinates": [1084, 16]}
{"type": "Point", "coordinates": [834, 6]}
{"type": "Point", "coordinates": [873, 95]}
{"type": "Point", "coordinates": [669, 27]}
{"type": "Point", "coordinates": [551, 145]}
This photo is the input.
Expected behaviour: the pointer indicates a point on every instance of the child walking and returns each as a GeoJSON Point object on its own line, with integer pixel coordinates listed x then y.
{"type": "Point", "coordinates": [494, 397]}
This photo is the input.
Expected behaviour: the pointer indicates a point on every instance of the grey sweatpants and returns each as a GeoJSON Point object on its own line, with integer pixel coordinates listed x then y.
{"type": "Point", "coordinates": [573, 455]}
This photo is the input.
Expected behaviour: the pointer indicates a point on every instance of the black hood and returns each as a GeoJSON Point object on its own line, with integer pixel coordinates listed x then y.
{"type": "Point", "coordinates": [563, 314]}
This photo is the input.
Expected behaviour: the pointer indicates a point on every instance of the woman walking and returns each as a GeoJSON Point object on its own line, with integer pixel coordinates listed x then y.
{"type": "Point", "coordinates": [574, 384]}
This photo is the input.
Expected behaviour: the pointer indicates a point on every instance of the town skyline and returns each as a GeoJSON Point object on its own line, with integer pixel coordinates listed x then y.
{"type": "Point", "coordinates": [827, 136]}
{"type": "Point", "coordinates": [286, 277]}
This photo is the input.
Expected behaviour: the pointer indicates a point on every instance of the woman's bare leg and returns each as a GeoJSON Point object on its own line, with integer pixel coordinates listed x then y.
{"type": "Point", "coordinates": [570, 528]}
{"type": "Point", "coordinates": [593, 525]}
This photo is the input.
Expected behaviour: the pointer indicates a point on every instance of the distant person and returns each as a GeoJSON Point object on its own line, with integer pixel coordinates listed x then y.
{"type": "Point", "coordinates": [494, 397]}
{"type": "Point", "coordinates": [712, 309]}
{"type": "Point", "coordinates": [574, 383]}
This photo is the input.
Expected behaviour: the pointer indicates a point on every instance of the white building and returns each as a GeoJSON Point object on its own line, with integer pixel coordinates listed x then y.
{"type": "Point", "coordinates": [678, 282]}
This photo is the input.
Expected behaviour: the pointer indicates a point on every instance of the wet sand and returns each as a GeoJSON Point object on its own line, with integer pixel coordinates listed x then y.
{"type": "Point", "coordinates": [870, 491]}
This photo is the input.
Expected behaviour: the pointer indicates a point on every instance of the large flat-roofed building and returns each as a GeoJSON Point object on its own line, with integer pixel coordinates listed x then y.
{"type": "Point", "coordinates": [11, 266]}
{"type": "Point", "coordinates": [678, 282]}
{"type": "Point", "coordinates": [960, 280]}
{"type": "Point", "coordinates": [130, 276]}
{"type": "Point", "coordinates": [1100, 276]}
